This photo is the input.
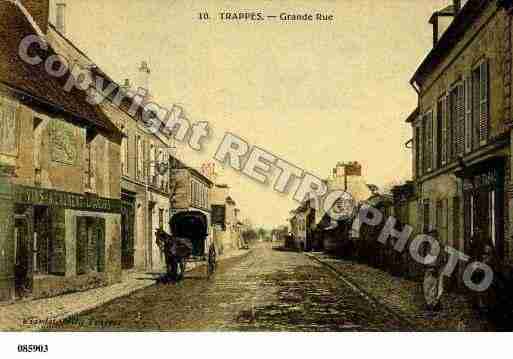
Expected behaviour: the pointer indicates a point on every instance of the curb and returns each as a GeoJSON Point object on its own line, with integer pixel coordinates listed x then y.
{"type": "Point", "coordinates": [99, 304]}
{"type": "Point", "coordinates": [364, 293]}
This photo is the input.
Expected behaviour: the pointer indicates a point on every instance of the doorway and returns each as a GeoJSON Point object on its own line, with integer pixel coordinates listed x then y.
{"type": "Point", "coordinates": [484, 208]}
{"type": "Point", "coordinates": [22, 254]}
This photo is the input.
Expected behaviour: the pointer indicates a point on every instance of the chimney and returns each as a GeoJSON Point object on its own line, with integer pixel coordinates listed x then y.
{"type": "Point", "coordinates": [144, 76]}
{"type": "Point", "coordinates": [434, 21]}
{"type": "Point", "coordinates": [126, 85]}
{"type": "Point", "coordinates": [40, 11]}
{"type": "Point", "coordinates": [457, 6]}
{"type": "Point", "coordinates": [60, 17]}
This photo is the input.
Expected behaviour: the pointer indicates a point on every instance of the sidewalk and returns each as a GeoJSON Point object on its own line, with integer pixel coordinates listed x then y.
{"type": "Point", "coordinates": [404, 297]}
{"type": "Point", "coordinates": [30, 315]}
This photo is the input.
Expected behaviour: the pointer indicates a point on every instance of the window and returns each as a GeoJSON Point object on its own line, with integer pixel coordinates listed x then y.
{"type": "Point", "coordinates": [161, 218]}
{"type": "Point", "coordinates": [418, 149]}
{"type": "Point", "coordinates": [425, 221]}
{"type": "Point", "coordinates": [491, 206]}
{"type": "Point", "coordinates": [480, 103]}
{"type": "Point", "coordinates": [139, 145]}
{"type": "Point", "coordinates": [468, 113]}
{"type": "Point", "coordinates": [90, 245]}
{"type": "Point", "coordinates": [124, 155]}
{"type": "Point", "coordinates": [42, 245]}
{"type": "Point", "coordinates": [441, 134]}
{"type": "Point", "coordinates": [457, 119]}
{"type": "Point", "coordinates": [90, 158]}
{"type": "Point", "coordinates": [428, 141]}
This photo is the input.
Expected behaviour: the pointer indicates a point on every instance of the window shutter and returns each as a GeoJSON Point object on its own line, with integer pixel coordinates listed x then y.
{"type": "Point", "coordinates": [430, 147]}
{"type": "Point", "coordinates": [476, 81]}
{"type": "Point", "coordinates": [428, 140]}
{"type": "Point", "coordinates": [421, 146]}
{"type": "Point", "coordinates": [100, 244]}
{"type": "Point", "coordinates": [460, 123]}
{"type": "Point", "coordinates": [57, 260]}
{"type": "Point", "coordinates": [445, 127]}
{"type": "Point", "coordinates": [484, 109]}
{"type": "Point", "coordinates": [418, 146]}
{"type": "Point", "coordinates": [82, 245]}
{"type": "Point", "coordinates": [453, 123]}
{"type": "Point", "coordinates": [468, 114]}
{"type": "Point", "coordinates": [439, 131]}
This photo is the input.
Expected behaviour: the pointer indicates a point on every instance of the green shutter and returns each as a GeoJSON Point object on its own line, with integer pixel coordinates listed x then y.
{"type": "Point", "coordinates": [468, 114]}
{"type": "Point", "coordinates": [484, 103]}
{"type": "Point", "coordinates": [82, 244]}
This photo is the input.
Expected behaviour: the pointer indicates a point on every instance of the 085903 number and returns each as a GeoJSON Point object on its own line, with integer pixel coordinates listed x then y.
{"type": "Point", "coordinates": [32, 348]}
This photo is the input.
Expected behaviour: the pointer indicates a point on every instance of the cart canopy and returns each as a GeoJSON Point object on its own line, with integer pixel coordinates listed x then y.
{"type": "Point", "coordinates": [190, 224]}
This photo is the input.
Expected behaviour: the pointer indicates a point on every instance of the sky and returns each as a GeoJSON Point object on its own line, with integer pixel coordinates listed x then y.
{"type": "Point", "coordinates": [311, 93]}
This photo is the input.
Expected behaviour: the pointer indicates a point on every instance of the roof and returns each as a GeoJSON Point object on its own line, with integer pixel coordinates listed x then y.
{"type": "Point", "coordinates": [60, 41]}
{"type": "Point", "coordinates": [183, 166]}
{"type": "Point", "coordinates": [467, 15]}
{"type": "Point", "coordinates": [33, 81]}
{"type": "Point", "coordinates": [413, 115]}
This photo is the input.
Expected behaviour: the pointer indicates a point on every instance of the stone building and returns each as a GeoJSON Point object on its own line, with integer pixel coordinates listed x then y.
{"type": "Point", "coordinates": [346, 177]}
{"type": "Point", "coordinates": [61, 207]}
{"type": "Point", "coordinates": [225, 215]}
{"type": "Point", "coordinates": [145, 191]}
{"type": "Point", "coordinates": [192, 192]}
{"type": "Point", "coordinates": [461, 129]}
{"type": "Point", "coordinates": [301, 225]}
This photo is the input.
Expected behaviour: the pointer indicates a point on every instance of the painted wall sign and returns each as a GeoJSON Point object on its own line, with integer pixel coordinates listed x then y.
{"type": "Point", "coordinates": [63, 144]}
{"type": "Point", "coordinates": [53, 198]}
{"type": "Point", "coordinates": [8, 144]}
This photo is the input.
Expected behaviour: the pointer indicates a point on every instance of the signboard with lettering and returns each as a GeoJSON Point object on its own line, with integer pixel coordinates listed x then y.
{"type": "Point", "coordinates": [53, 198]}
{"type": "Point", "coordinates": [489, 178]}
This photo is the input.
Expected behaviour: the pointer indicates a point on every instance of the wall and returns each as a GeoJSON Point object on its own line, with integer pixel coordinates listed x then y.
{"type": "Point", "coordinates": [486, 38]}
{"type": "Point", "coordinates": [51, 285]}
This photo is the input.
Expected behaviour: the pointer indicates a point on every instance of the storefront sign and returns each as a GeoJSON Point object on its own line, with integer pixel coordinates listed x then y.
{"type": "Point", "coordinates": [53, 198]}
{"type": "Point", "coordinates": [489, 178]}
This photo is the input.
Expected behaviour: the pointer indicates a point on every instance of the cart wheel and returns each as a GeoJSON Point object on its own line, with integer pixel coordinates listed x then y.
{"type": "Point", "coordinates": [211, 265]}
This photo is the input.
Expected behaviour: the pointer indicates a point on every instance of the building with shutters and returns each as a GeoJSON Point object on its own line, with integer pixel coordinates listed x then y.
{"type": "Point", "coordinates": [66, 209]}
{"type": "Point", "coordinates": [225, 219]}
{"type": "Point", "coordinates": [461, 128]}
{"type": "Point", "coordinates": [145, 190]}
{"type": "Point", "coordinates": [192, 191]}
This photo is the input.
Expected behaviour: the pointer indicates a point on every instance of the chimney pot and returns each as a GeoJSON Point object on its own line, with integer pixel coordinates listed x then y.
{"type": "Point", "coordinates": [457, 6]}
{"type": "Point", "coordinates": [60, 21]}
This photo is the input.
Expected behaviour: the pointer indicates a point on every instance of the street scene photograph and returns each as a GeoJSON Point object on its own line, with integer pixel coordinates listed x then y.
{"type": "Point", "coordinates": [254, 167]}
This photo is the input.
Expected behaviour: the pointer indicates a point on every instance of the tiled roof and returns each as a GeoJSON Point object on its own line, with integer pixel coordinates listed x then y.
{"type": "Point", "coordinates": [467, 15]}
{"type": "Point", "coordinates": [33, 81]}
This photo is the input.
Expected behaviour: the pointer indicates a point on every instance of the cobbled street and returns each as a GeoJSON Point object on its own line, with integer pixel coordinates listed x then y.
{"type": "Point", "coordinates": [266, 290]}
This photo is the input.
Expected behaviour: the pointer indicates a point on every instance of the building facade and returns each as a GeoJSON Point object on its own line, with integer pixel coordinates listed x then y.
{"type": "Point", "coordinates": [461, 129]}
{"type": "Point", "coordinates": [65, 213]}
{"type": "Point", "coordinates": [192, 192]}
{"type": "Point", "coordinates": [145, 192]}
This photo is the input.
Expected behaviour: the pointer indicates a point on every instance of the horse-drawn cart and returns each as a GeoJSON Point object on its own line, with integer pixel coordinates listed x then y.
{"type": "Point", "coordinates": [188, 243]}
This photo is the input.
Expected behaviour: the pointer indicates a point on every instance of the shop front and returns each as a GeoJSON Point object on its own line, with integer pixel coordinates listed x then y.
{"type": "Point", "coordinates": [64, 242]}
{"type": "Point", "coordinates": [484, 205]}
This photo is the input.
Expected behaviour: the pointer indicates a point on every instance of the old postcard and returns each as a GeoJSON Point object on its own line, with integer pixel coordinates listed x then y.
{"type": "Point", "coordinates": [255, 166]}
